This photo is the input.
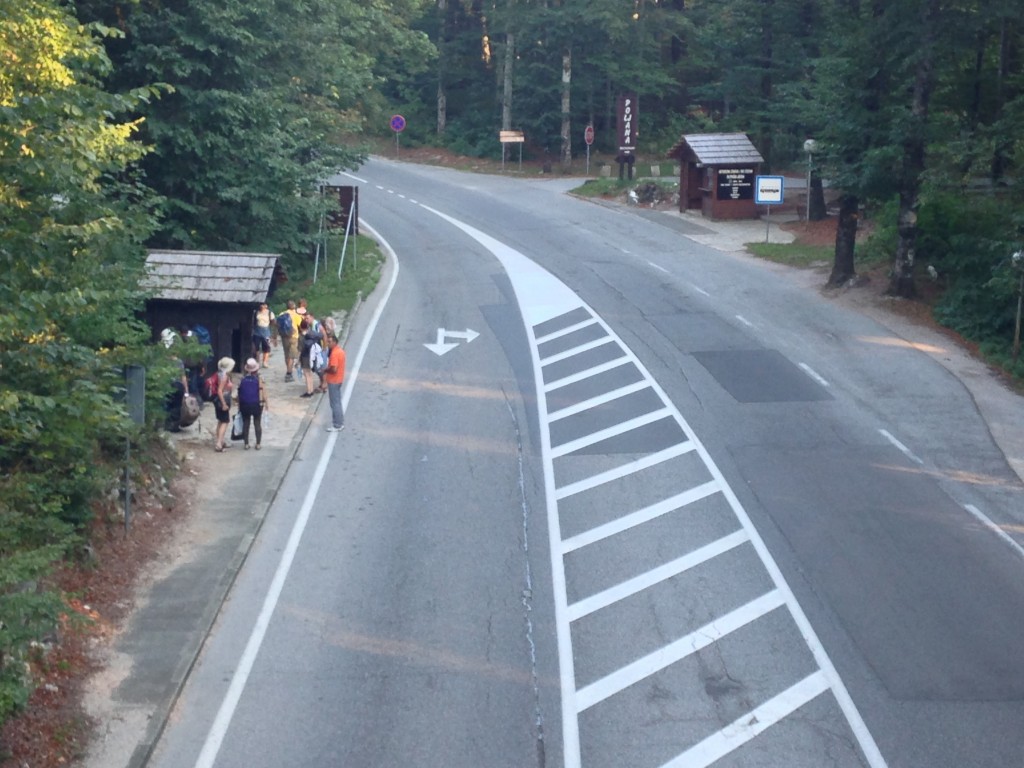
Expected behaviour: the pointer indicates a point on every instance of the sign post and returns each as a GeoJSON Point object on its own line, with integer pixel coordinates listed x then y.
{"type": "Point", "coordinates": [397, 125]}
{"type": "Point", "coordinates": [511, 137]}
{"type": "Point", "coordinates": [588, 137]}
{"type": "Point", "coordinates": [771, 190]}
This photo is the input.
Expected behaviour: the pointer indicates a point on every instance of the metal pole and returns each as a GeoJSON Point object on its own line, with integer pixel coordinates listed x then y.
{"type": "Point", "coordinates": [1016, 330]}
{"type": "Point", "coordinates": [127, 484]}
{"type": "Point", "coordinates": [807, 216]}
{"type": "Point", "coordinates": [348, 226]}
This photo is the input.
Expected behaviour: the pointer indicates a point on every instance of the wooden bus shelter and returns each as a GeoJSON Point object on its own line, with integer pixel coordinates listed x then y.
{"type": "Point", "coordinates": [717, 174]}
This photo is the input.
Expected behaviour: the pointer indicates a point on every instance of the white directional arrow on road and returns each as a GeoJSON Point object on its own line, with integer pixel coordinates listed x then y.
{"type": "Point", "coordinates": [440, 346]}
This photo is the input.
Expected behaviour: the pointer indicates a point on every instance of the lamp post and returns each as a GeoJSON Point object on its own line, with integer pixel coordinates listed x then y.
{"type": "Point", "coordinates": [809, 146]}
{"type": "Point", "coordinates": [1018, 263]}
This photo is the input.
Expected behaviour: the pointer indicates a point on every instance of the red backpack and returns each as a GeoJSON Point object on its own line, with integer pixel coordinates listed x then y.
{"type": "Point", "coordinates": [211, 384]}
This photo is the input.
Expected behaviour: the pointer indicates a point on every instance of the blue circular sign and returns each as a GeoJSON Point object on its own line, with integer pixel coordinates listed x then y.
{"type": "Point", "coordinates": [397, 123]}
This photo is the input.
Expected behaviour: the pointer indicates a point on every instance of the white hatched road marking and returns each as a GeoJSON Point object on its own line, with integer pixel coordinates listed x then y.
{"type": "Point", "coordinates": [657, 575]}
{"type": "Point", "coordinates": [541, 298]}
{"type": "Point", "coordinates": [744, 728]}
{"type": "Point", "coordinates": [675, 651]}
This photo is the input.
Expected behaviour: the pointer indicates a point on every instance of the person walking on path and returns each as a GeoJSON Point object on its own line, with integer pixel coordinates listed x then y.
{"type": "Point", "coordinates": [222, 400]}
{"type": "Point", "coordinates": [261, 334]}
{"type": "Point", "coordinates": [252, 399]}
{"type": "Point", "coordinates": [335, 376]}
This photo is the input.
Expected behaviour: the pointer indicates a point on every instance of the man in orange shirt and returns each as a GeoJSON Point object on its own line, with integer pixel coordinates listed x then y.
{"type": "Point", "coordinates": [334, 375]}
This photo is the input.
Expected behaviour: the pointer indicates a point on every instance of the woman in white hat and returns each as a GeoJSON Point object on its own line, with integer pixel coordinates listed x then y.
{"type": "Point", "coordinates": [222, 401]}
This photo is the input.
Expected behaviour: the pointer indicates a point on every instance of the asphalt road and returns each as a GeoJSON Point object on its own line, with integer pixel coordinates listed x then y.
{"type": "Point", "coordinates": [666, 508]}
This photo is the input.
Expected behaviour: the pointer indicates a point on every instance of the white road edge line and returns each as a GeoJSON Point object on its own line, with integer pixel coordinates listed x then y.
{"type": "Point", "coordinates": [659, 267]}
{"type": "Point", "coordinates": [221, 723]}
{"type": "Point", "coordinates": [900, 446]}
{"type": "Point", "coordinates": [744, 320]}
{"type": "Point", "coordinates": [988, 523]}
{"type": "Point", "coordinates": [814, 374]}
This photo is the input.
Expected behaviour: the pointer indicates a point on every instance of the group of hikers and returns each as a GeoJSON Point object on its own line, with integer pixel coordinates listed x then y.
{"type": "Point", "coordinates": [310, 347]}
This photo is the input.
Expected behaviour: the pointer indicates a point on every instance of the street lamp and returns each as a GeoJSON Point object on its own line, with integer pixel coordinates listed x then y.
{"type": "Point", "coordinates": [809, 147]}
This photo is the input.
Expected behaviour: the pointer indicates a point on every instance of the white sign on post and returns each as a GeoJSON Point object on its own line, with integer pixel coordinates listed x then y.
{"type": "Point", "coordinates": [770, 190]}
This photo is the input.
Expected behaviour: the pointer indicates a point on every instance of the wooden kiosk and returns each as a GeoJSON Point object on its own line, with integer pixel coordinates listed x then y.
{"type": "Point", "coordinates": [717, 174]}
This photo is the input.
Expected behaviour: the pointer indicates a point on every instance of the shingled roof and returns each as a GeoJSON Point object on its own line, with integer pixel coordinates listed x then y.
{"type": "Point", "coordinates": [717, 149]}
{"type": "Point", "coordinates": [212, 276]}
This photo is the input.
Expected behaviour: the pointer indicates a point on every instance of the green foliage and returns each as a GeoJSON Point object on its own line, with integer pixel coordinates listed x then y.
{"type": "Point", "coordinates": [72, 220]}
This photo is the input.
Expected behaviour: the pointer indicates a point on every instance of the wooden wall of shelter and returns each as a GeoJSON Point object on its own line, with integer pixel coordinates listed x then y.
{"type": "Point", "coordinates": [218, 290]}
{"type": "Point", "coordinates": [717, 173]}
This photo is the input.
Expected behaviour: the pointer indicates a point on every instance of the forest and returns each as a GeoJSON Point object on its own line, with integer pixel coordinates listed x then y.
{"type": "Point", "coordinates": [207, 124]}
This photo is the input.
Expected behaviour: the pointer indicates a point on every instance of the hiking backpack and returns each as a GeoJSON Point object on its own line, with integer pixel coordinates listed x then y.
{"type": "Point", "coordinates": [285, 326]}
{"type": "Point", "coordinates": [249, 390]}
{"type": "Point", "coordinates": [210, 387]}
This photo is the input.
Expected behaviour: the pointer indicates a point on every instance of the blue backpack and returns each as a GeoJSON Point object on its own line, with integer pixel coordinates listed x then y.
{"type": "Point", "coordinates": [202, 334]}
{"type": "Point", "coordinates": [249, 390]}
{"type": "Point", "coordinates": [285, 326]}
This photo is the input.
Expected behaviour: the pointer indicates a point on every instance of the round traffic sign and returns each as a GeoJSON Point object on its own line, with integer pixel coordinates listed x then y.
{"type": "Point", "coordinates": [397, 123]}
{"type": "Point", "coordinates": [588, 134]}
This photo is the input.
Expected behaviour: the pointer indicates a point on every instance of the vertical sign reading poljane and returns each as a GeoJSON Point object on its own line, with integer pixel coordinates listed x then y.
{"type": "Point", "coordinates": [626, 109]}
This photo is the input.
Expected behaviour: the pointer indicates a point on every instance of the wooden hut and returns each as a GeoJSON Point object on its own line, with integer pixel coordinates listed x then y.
{"type": "Point", "coordinates": [217, 290]}
{"type": "Point", "coordinates": [717, 173]}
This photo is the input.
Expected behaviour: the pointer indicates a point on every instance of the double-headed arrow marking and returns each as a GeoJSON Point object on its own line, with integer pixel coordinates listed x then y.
{"type": "Point", "coordinates": [440, 346]}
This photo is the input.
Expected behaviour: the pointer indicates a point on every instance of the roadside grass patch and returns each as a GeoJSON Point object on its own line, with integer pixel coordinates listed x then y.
{"type": "Point", "coordinates": [360, 274]}
{"type": "Point", "coordinates": [793, 254]}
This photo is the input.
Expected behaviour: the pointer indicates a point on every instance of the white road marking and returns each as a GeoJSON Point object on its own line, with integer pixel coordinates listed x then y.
{"type": "Point", "coordinates": [813, 374]}
{"type": "Point", "coordinates": [542, 297]}
{"type": "Point", "coordinates": [612, 431]}
{"type": "Point", "coordinates": [659, 267]}
{"type": "Point", "coordinates": [987, 522]}
{"type": "Point", "coordinates": [584, 375]}
{"type": "Point", "coordinates": [597, 400]}
{"type": "Point", "coordinates": [566, 331]}
{"type": "Point", "coordinates": [576, 350]}
{"type": "Point", "coordinates": [699, 290]}
{"type": "Point", "coordinates": [744, 728]}
{"type": "Point", "coordinates": [222, 721]}
{"type": "Point", "coordinates": [744, 320]}
{"type": "Point", "coordinates": [609, 475]}
{"type": "Point", "coordinates": [639, 517]}
{"type": "Point", "coordinates": [710, 633]}
{"type": "Point", "coordinates": [899, 446]}
{"type": "Point", "coordinates": [663, 572]}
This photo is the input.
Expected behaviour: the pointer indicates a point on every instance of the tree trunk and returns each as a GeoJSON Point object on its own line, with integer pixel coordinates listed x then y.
{"type": "Point", "coordinates": [846, 240]}
{"type": "Point", "coordinates": [902, 281]}
{"type": "Point", "coordinates": [566, 154]}
{"type": "Point", "coordinates": [506, 82]}
{"type": "Point", "coordinates": [816, 211]}
{"type": "Point", "coordinates": [442, 96]}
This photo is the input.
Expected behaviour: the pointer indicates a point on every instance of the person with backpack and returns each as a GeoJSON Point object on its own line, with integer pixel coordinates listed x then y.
{"type": "Point", "coordinates": [252, 399]}
{"type": "Point", "coordinates": [221, 381]}
{"type": "Point", "coordinates": [311, 341]}
{"type": "Point", "coordinates": [288, 329]}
